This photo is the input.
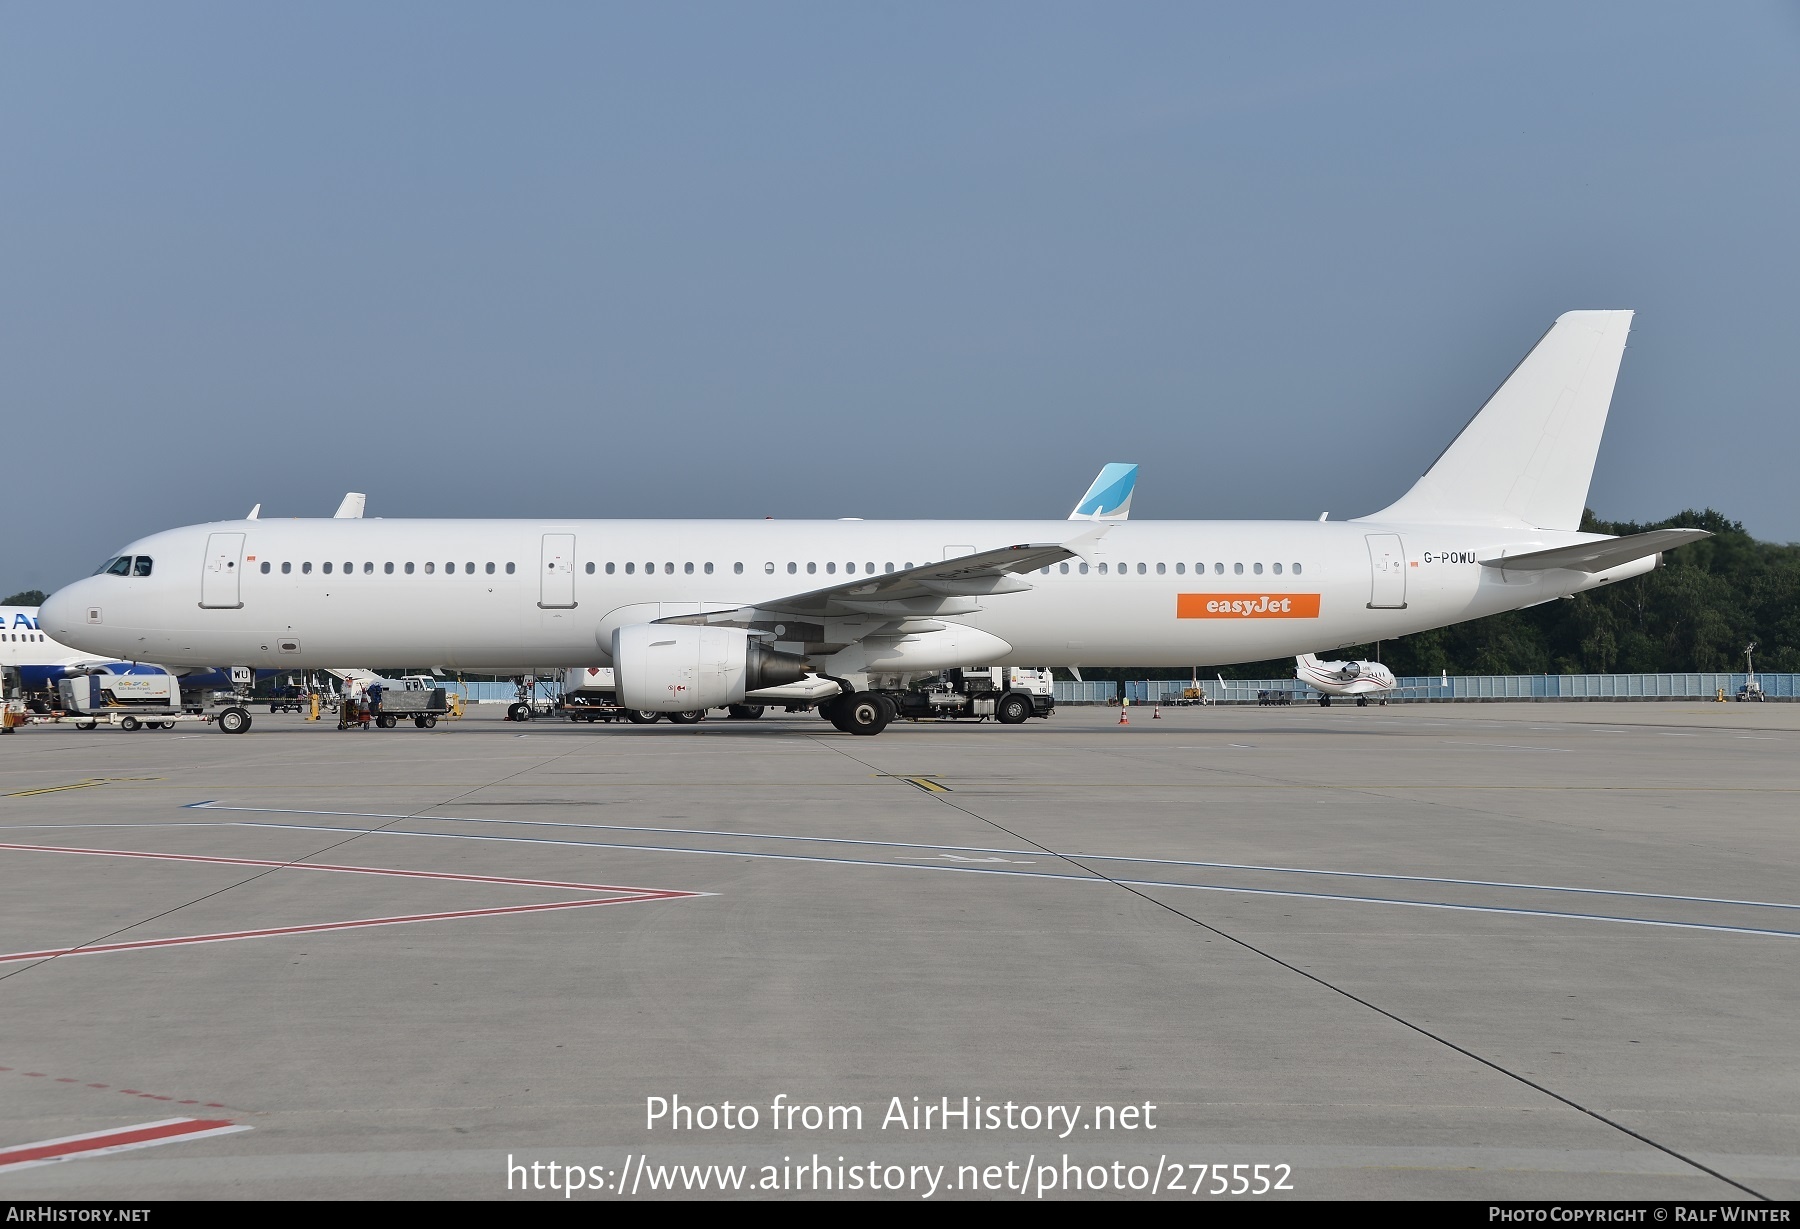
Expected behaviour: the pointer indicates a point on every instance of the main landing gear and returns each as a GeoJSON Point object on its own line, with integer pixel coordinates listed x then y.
{"type": "Point", "coordinates": [861, 712]}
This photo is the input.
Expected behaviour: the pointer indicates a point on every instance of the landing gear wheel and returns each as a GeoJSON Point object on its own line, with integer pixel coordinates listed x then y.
{"type": "Point", "coordinates": [129, 723]}
{"type": "Point", "coordinates": [518, 711]}
{"type": "Point", "coordinates": [1324, 701]}
{"type": "Point", "coordinates": [743, 712]}
{"type": "Point", "coordinates": [386, 723]}
{"type": "Point", "coordinates": [693, 716]}
{"type": "Point", "coordinates": [828, 708]}
{"type": "Point", "coordinates": [863, 713]}
{"type": "Point", "coordinates": [234, 720]}
{"type": "Point", "coordinates": [1013, 709]}
{"type": "Point", "coordinates": [1362, 701]}
{"type": "Point", "coordinates": [642, 716]}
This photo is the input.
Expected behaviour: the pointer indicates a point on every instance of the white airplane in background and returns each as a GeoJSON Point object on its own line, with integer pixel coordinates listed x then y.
{"type": "Point", "coordinates": [41, 661]}
{"type": "Point", "coordinates": [701, 614]}
{"type": "Point", "coordinates": [1361, 679]}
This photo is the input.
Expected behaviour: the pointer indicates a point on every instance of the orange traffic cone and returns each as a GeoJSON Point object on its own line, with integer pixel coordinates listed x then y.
{"type": "Point", "coordinates": [1123, 719]}
{"type": "Point", "coordinates": [1156, 713]}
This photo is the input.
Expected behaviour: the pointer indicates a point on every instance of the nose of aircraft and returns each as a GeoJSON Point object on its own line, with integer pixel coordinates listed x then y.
{"type": "Point", "coordinates": [63, 613]}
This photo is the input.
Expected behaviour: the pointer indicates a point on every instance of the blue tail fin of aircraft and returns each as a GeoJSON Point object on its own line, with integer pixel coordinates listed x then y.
{"type": "Point", "coordinates": [1109, 499]}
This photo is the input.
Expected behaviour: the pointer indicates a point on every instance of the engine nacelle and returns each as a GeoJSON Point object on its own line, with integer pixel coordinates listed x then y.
{"type": "Point", "coordinates": [671, 668]}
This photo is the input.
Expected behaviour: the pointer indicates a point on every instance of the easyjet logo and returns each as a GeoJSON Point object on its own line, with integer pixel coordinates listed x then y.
{"type": "Point", "coordinates": [1246, 605]}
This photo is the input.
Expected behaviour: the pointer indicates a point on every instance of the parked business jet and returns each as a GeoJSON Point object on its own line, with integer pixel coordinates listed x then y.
{"type": "Point", "coordinates": [1361, 679]}
{"type": "Point", "coordinates": [699, 614]}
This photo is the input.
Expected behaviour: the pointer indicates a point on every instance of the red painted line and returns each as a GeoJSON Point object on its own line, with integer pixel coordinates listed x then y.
{"type": "Point", "coordinates": [358, 923]}
{"type": "Point", "coordinates": [321, 866]}
{"type": "Point", "coordinates": [95, 1143]}
{"type": "Point", "coordinates": [129, 1092]}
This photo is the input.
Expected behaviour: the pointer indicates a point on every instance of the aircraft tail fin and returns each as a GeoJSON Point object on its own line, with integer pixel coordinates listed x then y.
{"type": "Point", "coordinates": [1109, 498]}
{"type": "Point", "coordinates": [1526, 458]}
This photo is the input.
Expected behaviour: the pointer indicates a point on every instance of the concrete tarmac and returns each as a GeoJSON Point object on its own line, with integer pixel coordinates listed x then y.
{"type": "Point", "coordinates": [1438, 951]}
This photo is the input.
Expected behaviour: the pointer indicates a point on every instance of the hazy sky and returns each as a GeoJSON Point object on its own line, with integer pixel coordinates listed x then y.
{"type": "Point", "coordinates": [673, 260]}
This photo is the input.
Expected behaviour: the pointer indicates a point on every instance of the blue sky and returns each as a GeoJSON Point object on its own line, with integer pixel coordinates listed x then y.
{"type": "Point", "coordinates": [847, 260]}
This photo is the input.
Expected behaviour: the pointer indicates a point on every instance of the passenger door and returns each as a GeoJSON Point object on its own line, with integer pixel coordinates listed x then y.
{"type": "Point", "coordinates": [1387, 572]}
{"type": "Point", "coordinates": [556, 573]}
{"type": "Point", "coordinates": [219, 577]}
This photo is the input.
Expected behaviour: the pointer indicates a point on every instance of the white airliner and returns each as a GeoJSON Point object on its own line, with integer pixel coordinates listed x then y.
{"type": "Point", "coordinates": [699, 614]}
{"type": "Point", "coordinates": [39, 658]}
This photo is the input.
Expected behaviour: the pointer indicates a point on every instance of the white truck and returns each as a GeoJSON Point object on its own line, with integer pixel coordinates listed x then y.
{"type": "Point", "coordinates": [1008, 694]}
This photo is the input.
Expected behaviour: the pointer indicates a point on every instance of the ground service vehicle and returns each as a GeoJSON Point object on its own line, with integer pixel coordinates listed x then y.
{"type": "Point", "coordinates": [1008, 694]}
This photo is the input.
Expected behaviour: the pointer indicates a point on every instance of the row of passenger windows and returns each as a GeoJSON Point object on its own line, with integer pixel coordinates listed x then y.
{"type": "Point", "coordinates": [387, 568]}
{"type": "Point", "coordinates": [737, 569]}
{"type": "Point", "coordinates": [668, 569]}
{"type": "Point", "coordinates": [630, 569]}
{"type": "Point", "coordinates": [1123, 569]}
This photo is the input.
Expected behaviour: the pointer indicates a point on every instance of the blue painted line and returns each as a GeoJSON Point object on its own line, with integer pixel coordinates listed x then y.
{"type": "Point", "coordinates": [1092, 857]}
{"type": "Point", "coordinates": [1096, 879]}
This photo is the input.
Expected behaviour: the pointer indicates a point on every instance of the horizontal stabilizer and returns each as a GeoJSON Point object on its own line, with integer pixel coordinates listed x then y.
{"type": "Point", "coordinates": [1526, 458]}
{"type": "Point", "coordinates": [1109, 498]}
{"type": "Point", "coordinates": [1601, 555]}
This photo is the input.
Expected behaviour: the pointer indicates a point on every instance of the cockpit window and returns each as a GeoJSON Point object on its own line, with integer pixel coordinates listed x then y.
{"type": "Point", "coordinates": [117, 567]}
{"type": "Point", "coordinates": [141, 565]}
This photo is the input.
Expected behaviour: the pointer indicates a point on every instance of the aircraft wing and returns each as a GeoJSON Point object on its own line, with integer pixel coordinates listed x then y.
{"type": "Point", "coordinates": [949, 587]}
{"type": "Point", "coordinates": [1599, 556]}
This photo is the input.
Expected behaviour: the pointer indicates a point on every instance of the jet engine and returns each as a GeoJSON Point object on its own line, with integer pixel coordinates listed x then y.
{"type": "Point", "coordinates": [670, 668]}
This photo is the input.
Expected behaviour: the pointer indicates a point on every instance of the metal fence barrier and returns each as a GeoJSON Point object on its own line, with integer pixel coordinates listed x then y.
{"type": "Point", "coordinates": [1696, 686]}
{"type": "Point", "coordinates": [1456, 687]}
